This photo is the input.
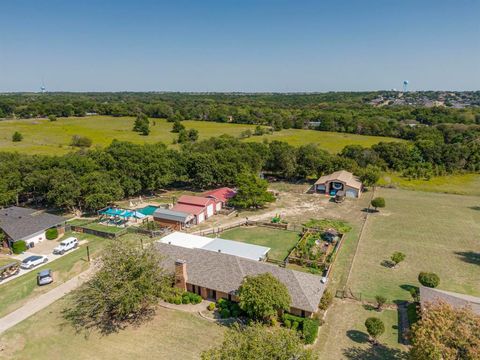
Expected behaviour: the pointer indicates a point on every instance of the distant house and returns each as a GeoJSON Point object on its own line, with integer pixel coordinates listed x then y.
{"type": "Point", "coordinates": [221, 196]}
{"type": "Point", "coordinates": [176, 220]}
{"type": "Point", "coordinates": [200, 207]}
{"type": "Point", "coordinates": [215, 275]}
{"type": "Point", "coordinates": [339, 181]}
{"type": "Point", "coordinates": [29, 225]}
{"type": "Point", "coordinates": [457, 300]}
{"type": "Point", "coordinates": [240, 249]}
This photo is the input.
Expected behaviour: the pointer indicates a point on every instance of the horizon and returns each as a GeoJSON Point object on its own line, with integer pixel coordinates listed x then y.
{"type": "Point", "coordinates": [266, 46]}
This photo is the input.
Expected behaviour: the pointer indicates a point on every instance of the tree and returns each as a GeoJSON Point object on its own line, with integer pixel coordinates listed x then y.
{"type": "Point", "coordinates": [381, 300]}
{"type": "Point", "coordinates": [378, 202]}
{"type": "Point", "coordinates": [262, 296]}
{"type": "Point", "coordinates": [428, 279]}
{"type": "Point", "coordinates": [192, 135]}
{"type": "Point", "coordinates": [251, 192]}
{"type": "Point", "coordinates": [370, 175]}
{"type": "Point", "coordinates": [187, 136]}
{"type": "Point", "coordinates": [397, 257]}
{"type": "Point", "coordinates": [260, 343]}
{"type": "Point", "coordinates": [177, 126]}
{"type": "Point", "coordinates": [447, 333]}
{"type": "Point", "coordinates": [81, 141]}
{"type": "Point", "coordinates": [123, 291]}
{"type": "Point", "coordinates": [142, 124]}
{"type": "Point", "coordinates": [375, 328]}
{"type": "Point", "coordinates": [17, 137]}
{"type": "Point", "coordinates": [326, 300]}
{"type": "Point", "coordinates": [52, 117]}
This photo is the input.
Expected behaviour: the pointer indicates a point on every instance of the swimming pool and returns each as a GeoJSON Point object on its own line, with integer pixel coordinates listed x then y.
{"type": "Point", "coordinates": [148, 210]}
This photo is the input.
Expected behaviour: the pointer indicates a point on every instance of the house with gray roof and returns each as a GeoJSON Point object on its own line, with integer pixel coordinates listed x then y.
{"type": "Point", "coordinates": [457, 300]}
{"type": "Point", "coordinates": [29, 225]}
{"type": "Point", "coordinates": [215, 275]}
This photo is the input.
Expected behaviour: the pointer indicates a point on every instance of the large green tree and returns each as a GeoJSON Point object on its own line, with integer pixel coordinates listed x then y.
{"type": "Point", "coordinates": [260, 343]}
{"type": "Point", "coordinates": [251, 192]}
{"type": "Point", "coordinates": [263, 296]}
{"type": "Point", "coordinates": [123, 291]}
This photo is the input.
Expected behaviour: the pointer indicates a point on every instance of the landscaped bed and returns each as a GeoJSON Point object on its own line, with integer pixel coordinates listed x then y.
{"type": "Point", "coordinates": [281, 242]}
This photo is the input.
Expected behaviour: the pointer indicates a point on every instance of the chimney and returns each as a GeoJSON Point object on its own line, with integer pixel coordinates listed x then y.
{"type": "Point", "coordinates": [181, 277]}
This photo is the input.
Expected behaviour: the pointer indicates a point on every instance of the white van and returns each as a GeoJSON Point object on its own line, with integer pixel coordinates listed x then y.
{"type": "Point", "coordinates": [65, 245]}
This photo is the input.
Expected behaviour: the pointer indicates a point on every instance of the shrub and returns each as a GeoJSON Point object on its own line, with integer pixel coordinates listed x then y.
{"type": "Point", "coordinates": [225, 313]}
{"type": "Point", "coordinates": [17, 137]}
{"type": "Point", "coordinates": [310, 330]}
{"type": "Point", "coordinates": [428, 279]}
{"type": "Point", "coordinates": [81, 141]}
{"type": "Point", "coordinates": [185, 299]}
{"type": "Point", "coordinates": [397, 257]}
{"type": "Point", "coordinates": [295, 325]}
{"type": "Point", "coordinates": [326, 300]}
{"type": "Point", "coordinates": [222, 304]}
{"type": "Point", "coordinates": [177, 300]}
{"type": "Point", "coordinates": [211, 306]}
{"type": "Point", "coordinates": [375, 327]}
{"type": "Point", "coordinates": [378, 202]}
{"type": "Point", "coordinates": [287, 323]}
{"type": "Point", "coordinates": [52, 117]}
{"type": "Point", "coordinates": [194, 298]}
{"type": "Point", "coordinates": [381, 300]}
{"type": "Point", "coordinates": [51, 234]}
{"type": "Point", "coordinates": [19, 246]}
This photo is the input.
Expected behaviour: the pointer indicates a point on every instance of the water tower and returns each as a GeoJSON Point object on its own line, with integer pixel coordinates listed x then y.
{"type": "Point", "coordinates": [405, 85]}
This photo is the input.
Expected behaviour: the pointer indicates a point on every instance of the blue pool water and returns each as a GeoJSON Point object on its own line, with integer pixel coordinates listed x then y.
{"type": "Point", "coordinates": [148, 210]}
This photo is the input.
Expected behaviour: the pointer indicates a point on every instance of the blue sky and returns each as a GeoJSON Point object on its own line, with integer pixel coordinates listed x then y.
{"type": "Point", "coordinates": [227, 45]}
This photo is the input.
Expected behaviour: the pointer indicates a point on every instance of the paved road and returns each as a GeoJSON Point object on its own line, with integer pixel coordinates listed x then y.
{"type": "Point", "coordinates": [42, 301]}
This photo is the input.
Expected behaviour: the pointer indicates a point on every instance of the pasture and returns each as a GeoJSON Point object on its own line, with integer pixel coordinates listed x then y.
{"type": "Point", "coordinates": [437, 232]}
{"type": "Point", "coordinates": [169, 334]}
{"type": "Point", "coordinates": [41, 136]}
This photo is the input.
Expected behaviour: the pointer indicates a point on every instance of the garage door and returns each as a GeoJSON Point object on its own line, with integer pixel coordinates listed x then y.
{"type": "Point", "coordinates": [351, 193]}
{"type": "Point", "coordinates": [201, 218]}
{"type": "Point", "coordinates": [210, 210]}
{"type": "Point", "coordinates": [219, 206]}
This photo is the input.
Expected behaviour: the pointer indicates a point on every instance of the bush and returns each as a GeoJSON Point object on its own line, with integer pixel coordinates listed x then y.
{"type": "Point", "coordinates": [185, 299]}
{"type": "Point", "coordinates": [211, 306]}
{"type": "Point", "coordinates": [326, 300]}
{"type": "Point", "coordinates": [81, 141]}
{"type": "Point", "coordinates": [429, 279]}
{"type": "Point", "coordinates": [225, 313]}
{"type": "Point", "coordinates": [51, 234]}
{"type": "Point", "coordinates": [222, 304]}
{"type": "Point", "coordinates": [310, 330]}
{"type": "Point", "coordinates": [378, 202]}
{"type": "Point", "coordinates": [19, 246]}
{"type": "Point", "coordinates": [17, 137]}
{"type": "Point", "coordinates": [52, 117]}
{"type": "Point", "coordinates": [194, 298]}
{"type": "Point", "coordinates": [295, 325]}
{"type": "Point", "coordinates": [287, 323]}
{"type": "Point", "coordinates": [177, 300]}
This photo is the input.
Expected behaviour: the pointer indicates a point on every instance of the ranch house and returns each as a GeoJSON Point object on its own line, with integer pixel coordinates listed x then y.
{"type": "Point", "coordinates": [342, 182]}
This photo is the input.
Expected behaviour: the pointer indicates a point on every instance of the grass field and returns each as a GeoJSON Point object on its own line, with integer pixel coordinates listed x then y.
{"type": "Point", "coordinates": [343, 336]}
{"type": "Point", "coordinates": [42, 136]}
{"type": "Point", "coordinates": [437, 232]}
{"type": "Point", "coordinates": [169, 335]}
{"type": "Point", "coordinates": [464, 184]}
{"type": "Point", "coordinates": [280, 241]}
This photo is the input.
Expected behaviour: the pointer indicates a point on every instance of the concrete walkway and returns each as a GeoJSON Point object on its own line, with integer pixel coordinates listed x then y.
{"type": "Point", "coordinates": [41, 302]}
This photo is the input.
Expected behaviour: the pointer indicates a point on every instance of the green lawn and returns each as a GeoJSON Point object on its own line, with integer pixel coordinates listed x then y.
{"type": "Point", "coordinates": [280, 241]}
{"type": "Point", "coordinates": [463, 184]}
{"type": "Point", "coordinates": [344, 336]}
{"type": "Point", "coordinates": [169, 334]}
{"type": "Point", "coordinates": [105, 228]}
{"type": "Point", "coordinates": [437, 232]}
{"type": "Point", "coordinates": [42, 136]}
{"type": "Point", "coordinates": [4, 260]}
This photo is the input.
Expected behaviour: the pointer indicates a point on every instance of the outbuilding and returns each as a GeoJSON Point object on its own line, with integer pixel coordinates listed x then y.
{"type": "Point", "coordinates": [175, 220]}
{"type": "Point", "coordinates": [342, 182]}
{"type": "Point", "coordinates": [220, 196]}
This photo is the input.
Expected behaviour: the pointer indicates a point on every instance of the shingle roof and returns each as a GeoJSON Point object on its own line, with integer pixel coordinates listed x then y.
{"type": "Point", "coordinates": [344, 176]}
{"type": "Point", "coordinates": [189, 209]}
{"type": "Point", "coordinates": [222, 194]}
{"type": "Point", "coordinates": [225, 273]}
{"type": "Point", "coordinates": [457, 300]}
{"type": "Point", "coordinates": [166, 214]}
{"type": "Point", "coordinates": [19, 223]}
{"type": "Point", "coordinates": [194, 200]}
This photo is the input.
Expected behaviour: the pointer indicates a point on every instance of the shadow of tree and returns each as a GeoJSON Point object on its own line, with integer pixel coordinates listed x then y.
{"type": "Point", "coordinates": [375, 352]}
{"type": "Point", "coordinates": [470, 257]}
{"type": "Point", "coordinates": [387, 263]}
{"type": "Point", "coordinates": [357, 336]}
{"type": "Point", "coordinates": [369, 307]}
{"type": "Point", "coordinates": [474, 208]}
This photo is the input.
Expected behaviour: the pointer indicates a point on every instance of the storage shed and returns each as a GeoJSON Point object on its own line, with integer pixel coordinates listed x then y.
{"type": "Point", "coordinates": [342, 182]}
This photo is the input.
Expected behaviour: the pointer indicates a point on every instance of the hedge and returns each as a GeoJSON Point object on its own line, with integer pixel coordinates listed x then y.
{"type": "Point", "coordinates": [51, 234]}
{"type": "Point", "coordinates": [310, 330]}
{"type": "Point", "coordinates": [428, 279]}
{"type": "Point", "coordinates": [19, 247]}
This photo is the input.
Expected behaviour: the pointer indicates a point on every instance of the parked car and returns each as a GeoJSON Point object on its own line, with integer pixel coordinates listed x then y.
{"type": "Point", "coordinates": [44, 277]}
{"type": "Point", "coordinates": [65, 245]}
{"type": "Point", "coordinates": [32, 261]}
